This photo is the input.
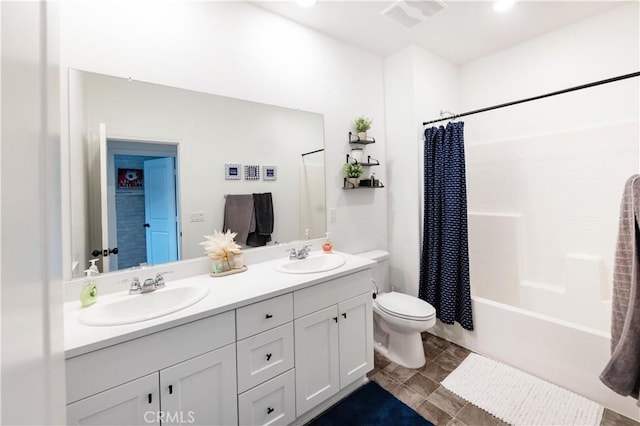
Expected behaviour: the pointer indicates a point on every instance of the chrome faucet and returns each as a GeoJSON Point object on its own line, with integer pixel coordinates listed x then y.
{"type": "Point", "coordinates": [299, 254]}
{"type": "Point", "coordinates": [160, 279]}
{"type": "Point", "coordinates": [149, 285]}
{"type": "Point", "coordinates": [135, 287]}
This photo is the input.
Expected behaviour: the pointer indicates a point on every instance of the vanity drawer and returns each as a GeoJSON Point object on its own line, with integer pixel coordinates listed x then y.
{"type": "Point", "coordinates": [319, 296]}
{"type": "Point", "coordinates": [261, 316]}
{"type": "Point", "coordinates": [272, 402]}
{"type": "Point", "coordinates": [264, 356]}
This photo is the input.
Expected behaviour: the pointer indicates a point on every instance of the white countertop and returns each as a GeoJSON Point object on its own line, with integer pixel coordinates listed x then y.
{"type": "Point", "coordinates": [261, 281]}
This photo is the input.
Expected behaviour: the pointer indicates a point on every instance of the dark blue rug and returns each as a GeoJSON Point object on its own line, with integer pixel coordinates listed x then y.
{"type": "Point", "coordinates": [370, 405]}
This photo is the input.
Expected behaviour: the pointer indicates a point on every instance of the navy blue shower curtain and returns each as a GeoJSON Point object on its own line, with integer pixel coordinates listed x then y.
{"type": "Point", "coordinates": [444, 261]}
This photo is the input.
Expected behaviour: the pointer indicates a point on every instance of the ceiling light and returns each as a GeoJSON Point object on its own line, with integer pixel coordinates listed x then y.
{"type": "Point", "coordinates": [502, 5]}
{"type": "Point", "coordinates": [306, 3]}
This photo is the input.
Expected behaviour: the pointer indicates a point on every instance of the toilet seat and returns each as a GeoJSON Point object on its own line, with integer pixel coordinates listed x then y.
{"type": "Point", "coordinates": [404, 306]}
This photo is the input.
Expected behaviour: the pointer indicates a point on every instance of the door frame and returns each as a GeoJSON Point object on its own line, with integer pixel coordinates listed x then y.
{"type": "Point", "coordinates": [117, 145]}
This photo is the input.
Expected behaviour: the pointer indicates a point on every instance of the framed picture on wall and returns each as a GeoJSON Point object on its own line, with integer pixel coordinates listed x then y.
{"type": "Point", "coordinates": [269, 173]}
{"type": "Point", "coordinates": [251, 172]}
{"type": "Point", "coordinates": [232, 172]}
{"type": "Point", "coordinates": [130, 179]}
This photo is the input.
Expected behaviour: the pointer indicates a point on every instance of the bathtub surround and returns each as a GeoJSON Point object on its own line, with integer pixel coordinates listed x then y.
{"type": "Point", "coordinates": [444, 265]}
{"type": "Point", "coordinates": [622, 373]}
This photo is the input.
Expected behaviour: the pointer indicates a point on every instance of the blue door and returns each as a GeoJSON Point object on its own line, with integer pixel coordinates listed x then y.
{"type": "Point", "coordinates": [160, 210]}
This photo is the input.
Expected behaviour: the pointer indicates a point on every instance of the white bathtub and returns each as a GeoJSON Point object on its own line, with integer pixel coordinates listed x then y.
{"type": "Point", "coordinates": [566, 354]}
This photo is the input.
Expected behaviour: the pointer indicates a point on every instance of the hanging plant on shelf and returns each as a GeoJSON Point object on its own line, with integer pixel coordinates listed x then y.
{"type": "Point", "coordinates": [352, 172]}
{"type": "Point", "coordinates": [363, 124]}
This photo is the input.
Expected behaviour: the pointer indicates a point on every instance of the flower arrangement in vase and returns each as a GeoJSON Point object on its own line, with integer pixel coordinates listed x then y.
{"type": "Point", "coordinates": [225, 253]}
{"type": "Point", "coordinates": [353, 171]}
{"type": "Point", "coordinates": [362, 124]}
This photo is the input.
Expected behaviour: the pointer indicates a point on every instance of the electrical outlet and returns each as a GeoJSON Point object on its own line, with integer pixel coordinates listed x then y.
{"type": "Point", "coordinates": [197, 217]}
{"type": "Point", "coordinates": [332, 215]}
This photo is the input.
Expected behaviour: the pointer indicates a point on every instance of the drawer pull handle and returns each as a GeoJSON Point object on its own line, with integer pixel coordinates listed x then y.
{"type": "Point", "coordinates": [270, 410]}
{"type": "Point", "coordinates": [268, 316]}
{"type": "Point", "coordinates": [344, 314]}
{"type": "Point", "coordinates": [170, 389]}
{"type": "Point", "coordinates": [149, 396]}
{"type": "Point", "coordinates": [268, 357]}
{"type": "Point", "coordinates": [335, 319]}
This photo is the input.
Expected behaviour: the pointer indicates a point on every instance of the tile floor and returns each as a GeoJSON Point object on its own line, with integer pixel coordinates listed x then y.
{"type": "Point", "coordinates": [421, 389]}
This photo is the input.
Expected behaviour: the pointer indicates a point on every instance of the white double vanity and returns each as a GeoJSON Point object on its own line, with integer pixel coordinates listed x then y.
{"type": "Point", "coordinates": [262, 347]}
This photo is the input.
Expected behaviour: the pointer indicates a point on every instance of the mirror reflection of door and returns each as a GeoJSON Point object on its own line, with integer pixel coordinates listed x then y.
{"type": "Point", "coordinates": [160, 211]}
{"type": "Point", "coordinates": [142, 203]}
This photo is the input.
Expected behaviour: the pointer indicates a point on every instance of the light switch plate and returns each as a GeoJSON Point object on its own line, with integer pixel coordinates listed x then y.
{"type": "Point", "coordinates": [197, 217]}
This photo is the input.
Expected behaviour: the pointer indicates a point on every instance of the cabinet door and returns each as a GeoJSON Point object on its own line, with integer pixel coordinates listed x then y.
{"type": "Point", "coordinates": [134, 403]}
{"type": "Point", "coordinates": [356, 338]}
{"type": "Point", "coordinates": [202, 390]}
{"type": "Point", "coordinates": [316, 355]}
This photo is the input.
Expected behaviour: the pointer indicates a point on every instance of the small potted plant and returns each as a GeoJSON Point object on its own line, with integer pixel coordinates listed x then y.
{"type": "Point", "coordinates": [362, 124]}
{"type": "Point", "coordinates": [352, 172]}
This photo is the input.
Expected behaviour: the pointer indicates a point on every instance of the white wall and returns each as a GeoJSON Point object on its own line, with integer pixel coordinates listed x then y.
{"type": "Point", "coordinates": [31, 312]}
{"type": "Point", "coordinates": [418, 85]}
{"type": "Point", "coordinates": [238, 50]}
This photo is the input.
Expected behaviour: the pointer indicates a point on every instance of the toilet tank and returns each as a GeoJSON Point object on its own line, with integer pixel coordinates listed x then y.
{"type": "Point", "coordinates": [379, 271]}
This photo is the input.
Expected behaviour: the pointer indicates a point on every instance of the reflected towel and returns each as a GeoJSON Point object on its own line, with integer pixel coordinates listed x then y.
{"type": "Point", "coordinates": [622, 373]}
{"type": "Point", "coordinates": [263, 208]}
{"type": "Point", "coordinates": [239, 216]}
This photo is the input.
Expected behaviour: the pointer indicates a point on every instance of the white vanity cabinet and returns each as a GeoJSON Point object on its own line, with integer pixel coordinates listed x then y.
{"type": "Point", "coordinates": [178, 376]}
{"type": "Point", "coordinates": [277, 361]}
{"type": "Point", "coordinates": [334, 338]}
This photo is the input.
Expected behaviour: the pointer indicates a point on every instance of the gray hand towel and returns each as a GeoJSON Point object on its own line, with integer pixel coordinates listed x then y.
{"type": "Point", "coordinates": [622, 373]}
{"type": "Point", "coordinates": [239, 216]}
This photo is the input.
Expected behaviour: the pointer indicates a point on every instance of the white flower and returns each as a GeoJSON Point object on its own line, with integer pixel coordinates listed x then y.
{"type": "Point", "coordinates": [219, 245]}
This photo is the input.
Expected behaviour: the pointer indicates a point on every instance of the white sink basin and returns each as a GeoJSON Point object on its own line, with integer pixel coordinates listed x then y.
{"type": "Point", "coordinates": [317, 263]}
{"type": "Point", "coordinates": [127, 309]}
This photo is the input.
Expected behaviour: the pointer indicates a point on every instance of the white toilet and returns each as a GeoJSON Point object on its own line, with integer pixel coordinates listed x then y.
{"type": "Point", "coordinates": [399, 319]}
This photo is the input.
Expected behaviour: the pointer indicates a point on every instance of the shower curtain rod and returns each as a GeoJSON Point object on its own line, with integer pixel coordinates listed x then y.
{"type": "Point", "coordinates": [312, 152]}
{"type": "Point", "coordinates": [558, 92]}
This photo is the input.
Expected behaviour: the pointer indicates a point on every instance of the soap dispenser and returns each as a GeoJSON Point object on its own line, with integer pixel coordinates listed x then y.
{"type": "Point", "coordinates": [93, 269]}
{"type": "Point", "coordinates": [327, 245]}
{"type": "Point", "coordinates": [89, 292]}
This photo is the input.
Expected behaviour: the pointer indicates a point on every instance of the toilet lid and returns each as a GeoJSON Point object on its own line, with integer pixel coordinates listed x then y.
{"type": "Point", "coordinates": [405, 306]}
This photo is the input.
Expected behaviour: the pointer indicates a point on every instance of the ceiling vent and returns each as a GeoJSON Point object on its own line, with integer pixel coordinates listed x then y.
{"type": "Point", "coordinates": [410, 13]}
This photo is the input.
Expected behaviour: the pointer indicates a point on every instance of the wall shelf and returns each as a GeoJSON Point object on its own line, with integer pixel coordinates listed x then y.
{"type": "Point", "coordinates": [349, 186]}
{"type": "Point", "coordinates": [356, 139]}
{"type": "Point", "coordinates": [371, 162]}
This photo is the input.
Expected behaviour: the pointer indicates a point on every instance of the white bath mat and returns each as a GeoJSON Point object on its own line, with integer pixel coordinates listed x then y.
{"type": "Point", "coordinates": [519, 398]}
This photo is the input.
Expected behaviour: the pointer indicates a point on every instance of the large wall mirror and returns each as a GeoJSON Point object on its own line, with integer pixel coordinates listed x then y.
{"type": "Point", "coordinates": [149, 160]}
